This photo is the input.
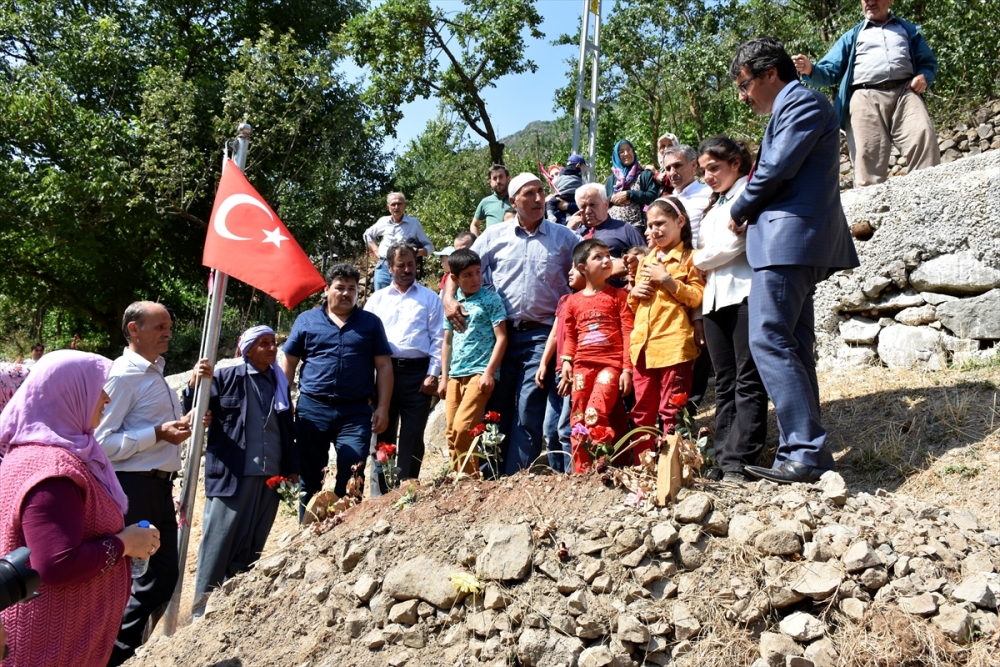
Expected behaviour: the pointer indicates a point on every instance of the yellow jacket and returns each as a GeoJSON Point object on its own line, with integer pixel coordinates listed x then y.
{"type": "Point", "coordinates": [662, 324]}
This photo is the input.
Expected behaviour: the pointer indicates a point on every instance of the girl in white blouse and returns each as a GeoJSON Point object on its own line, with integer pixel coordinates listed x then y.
{"type": "Point", "coordinates": [741, 401]}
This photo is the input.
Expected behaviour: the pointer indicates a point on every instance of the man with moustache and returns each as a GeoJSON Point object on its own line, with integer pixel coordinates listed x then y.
{"type": "Point", "coordinates": [251, 439]}
{"type": "Point", "coordinates": [526, 261]}
{"type": "Point", "coordinates": [140, 432]}
{"type": "Point", "coordinates": [414, 325]}
{"type": "Point", "coordinates": [680, 162]}
{"type": "Point", "coordinates": [345, 360]}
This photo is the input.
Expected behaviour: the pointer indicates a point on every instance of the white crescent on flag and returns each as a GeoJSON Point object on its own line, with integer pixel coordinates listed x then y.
{"type": "Point", "coordinates": [231, 202]}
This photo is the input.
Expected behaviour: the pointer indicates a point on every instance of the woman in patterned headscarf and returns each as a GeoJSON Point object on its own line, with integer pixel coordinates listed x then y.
{"type": "Point", "coordinates": [12, 376]}
{"type": "Point", "coordinates": [630, 188]}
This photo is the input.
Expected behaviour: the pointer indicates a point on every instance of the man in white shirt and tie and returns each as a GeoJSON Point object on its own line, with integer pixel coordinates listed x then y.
{"type": "Point", "coordinates": [413, 317]}
{"type": "Point", "coordinates": [140, 432]}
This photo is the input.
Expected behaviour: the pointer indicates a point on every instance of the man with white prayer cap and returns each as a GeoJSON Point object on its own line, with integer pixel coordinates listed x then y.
{"type": "Point", "coordinates": [250, 441]}
{"type": "Point", "coordinates": [527, 263]}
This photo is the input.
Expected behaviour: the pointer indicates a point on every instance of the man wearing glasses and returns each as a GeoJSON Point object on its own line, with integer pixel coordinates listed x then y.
{"type": "Point", "coordinates": [391, 229]}
{"type": "Point", "coordinates": [797, 236]}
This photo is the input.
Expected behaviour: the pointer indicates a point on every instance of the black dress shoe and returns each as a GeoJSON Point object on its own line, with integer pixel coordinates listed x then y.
{"type": "Point", "coordinates": [714, 474]}
{"type": "Point", "coordinates": [787, 473]}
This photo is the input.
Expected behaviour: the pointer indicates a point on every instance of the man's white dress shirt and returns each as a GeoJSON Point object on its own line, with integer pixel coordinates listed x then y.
{"type": "Point", "coordinates": [141, 400]}
{"type": "Point", "coordinates": [413, 321]}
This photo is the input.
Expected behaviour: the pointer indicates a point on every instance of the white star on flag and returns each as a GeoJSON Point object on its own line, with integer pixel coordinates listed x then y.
{"type": "Point", "coordinates": [274, 237]}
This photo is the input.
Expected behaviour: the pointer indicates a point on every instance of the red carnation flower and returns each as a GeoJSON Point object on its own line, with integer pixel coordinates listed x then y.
{"type": "Point", "coordinates": [478, 430]}
{"type": "Point", "coordinates": [492, 417]}
{"type": "Point", "coordinates": [601, 434]}
{"type": "Point", "coordinates": [679, 400]}
{"type": "Point", "coordinates": [275, 482]}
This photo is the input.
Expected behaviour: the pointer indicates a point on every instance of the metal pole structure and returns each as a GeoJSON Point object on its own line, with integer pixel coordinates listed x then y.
{"type": "Point", "coordinates": [209, 350]}
{"type": "Point", "coordinates": [592, 48]}
{"type": "Point", "coordinates": [595, 6]}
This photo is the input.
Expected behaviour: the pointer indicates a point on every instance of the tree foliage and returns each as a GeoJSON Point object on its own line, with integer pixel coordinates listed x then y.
{"type": "Point", "coordinates": [664, 64]}
{"type": "Point", "coordinates": [415, 51]}
{"type": "Point", "coordinates": [444, 174]}
{"type": "Point", "coordinates": [112, 120]}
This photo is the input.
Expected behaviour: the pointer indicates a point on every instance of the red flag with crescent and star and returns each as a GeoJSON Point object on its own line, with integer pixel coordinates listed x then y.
{"type": "Point", "coordinates": [247, 241]}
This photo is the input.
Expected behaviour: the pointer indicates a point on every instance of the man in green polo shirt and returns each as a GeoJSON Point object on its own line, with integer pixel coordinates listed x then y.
{"type": "Point", "coordinates": [491, 209]}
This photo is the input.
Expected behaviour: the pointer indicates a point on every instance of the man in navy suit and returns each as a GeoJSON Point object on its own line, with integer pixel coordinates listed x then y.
{"type": "Point", "coordinates": [797, 236]}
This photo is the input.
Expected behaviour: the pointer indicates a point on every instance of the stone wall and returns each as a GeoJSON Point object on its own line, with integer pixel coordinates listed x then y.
{"type": "Point", "coordinates": [980, 132]}
{"type": "Point", "coordinates": [927, 292]}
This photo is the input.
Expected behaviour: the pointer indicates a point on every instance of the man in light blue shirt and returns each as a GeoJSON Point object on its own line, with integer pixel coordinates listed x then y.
{"type": "Point", "coordinates": [527, 264]}
{"type": "Point", "coordinates": [391, 229]}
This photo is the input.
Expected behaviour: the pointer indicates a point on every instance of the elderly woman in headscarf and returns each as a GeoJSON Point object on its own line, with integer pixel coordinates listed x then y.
{"type": "Point", "coordinates": [251, 442]}
{"type": "Point", "coordinates": [630, 188]}
{"type": "Point", "coordinates": [12, 376]}
{"type": "Point", "coordinates": [665, 141]}
{"type": "Point", "coordinates": [59, 497]}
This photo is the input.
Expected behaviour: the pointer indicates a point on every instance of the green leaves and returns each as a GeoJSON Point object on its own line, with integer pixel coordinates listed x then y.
{"type": "Point", "coordinates": [415, 51]}
{"type": "Point", "coordinates": [112, 121]}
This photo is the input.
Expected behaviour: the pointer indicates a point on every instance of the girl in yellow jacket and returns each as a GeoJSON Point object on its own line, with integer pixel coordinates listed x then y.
{"type": "Point", "coordinates": [668, 287]}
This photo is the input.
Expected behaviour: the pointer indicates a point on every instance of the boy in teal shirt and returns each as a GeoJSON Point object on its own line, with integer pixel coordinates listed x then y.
{"type": "Point", "coordinates": [470, 360]}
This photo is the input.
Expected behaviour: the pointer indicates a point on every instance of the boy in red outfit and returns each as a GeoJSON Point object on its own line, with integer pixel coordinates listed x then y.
{"type": "Point", "coordinates": [595, 356]}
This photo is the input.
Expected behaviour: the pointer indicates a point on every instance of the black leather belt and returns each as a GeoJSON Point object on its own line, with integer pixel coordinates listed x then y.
{"type": "Point", "coordinates": [885, 85]}
{"type": "Point", "coordinates": [525, 326]}
{"type": "Point", "coordinates": [158, 474]}
{"type": "Point", "coordinates": [326, 400]}
{"type": "Point", "coordinates": [419, 362]}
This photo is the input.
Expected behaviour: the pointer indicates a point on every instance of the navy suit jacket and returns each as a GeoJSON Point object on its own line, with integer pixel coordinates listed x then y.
{"type": "Point", "coordinates": [225, 455]}
{"type": "Point", "coordinates": [792, 203]}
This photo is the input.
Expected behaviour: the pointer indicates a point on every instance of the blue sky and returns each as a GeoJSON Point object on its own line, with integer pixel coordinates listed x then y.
{"type": "Point", "coordinates": [518, 99]}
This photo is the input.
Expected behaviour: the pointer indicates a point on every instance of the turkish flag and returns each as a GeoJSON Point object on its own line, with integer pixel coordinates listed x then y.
{"type": "Point", "coordinates": [247, 241]}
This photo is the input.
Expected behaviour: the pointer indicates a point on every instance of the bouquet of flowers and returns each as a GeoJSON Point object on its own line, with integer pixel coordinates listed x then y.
{"type": "Point", "coordinates": [486, 438]}
{"type": "Point", "coordinates": [385, 454]}
{"type": "Point", "coordinates": [288, 491]}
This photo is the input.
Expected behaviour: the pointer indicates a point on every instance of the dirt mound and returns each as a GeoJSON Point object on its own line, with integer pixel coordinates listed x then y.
{"type": "Point", "coordinates": [554, 570]}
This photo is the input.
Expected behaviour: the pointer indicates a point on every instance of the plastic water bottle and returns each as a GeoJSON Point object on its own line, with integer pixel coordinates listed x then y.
{"type": "Point", "coordinates": [140, 565]}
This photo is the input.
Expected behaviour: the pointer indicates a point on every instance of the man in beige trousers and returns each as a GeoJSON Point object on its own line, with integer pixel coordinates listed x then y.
{"type": "Point", "coordinates": [883, 66]}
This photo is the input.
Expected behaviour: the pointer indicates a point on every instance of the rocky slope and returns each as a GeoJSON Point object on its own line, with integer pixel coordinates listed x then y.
{"type": "Point", "coordinates": [553, 570]}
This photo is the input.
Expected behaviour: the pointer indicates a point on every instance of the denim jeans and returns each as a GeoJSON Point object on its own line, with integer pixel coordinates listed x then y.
{"type": "Point", "coordinates": [557, 428]}
{"type": "Point", "coordinates": [347, 426]}
{"type": "Point", "coordinates": [520, 402]}
{"type": "Point", "coordinates": [382, 277]}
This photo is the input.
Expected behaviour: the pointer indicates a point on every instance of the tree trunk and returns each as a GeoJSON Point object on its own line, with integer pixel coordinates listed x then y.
{"type": "Point", "coordinates": [496, 152]}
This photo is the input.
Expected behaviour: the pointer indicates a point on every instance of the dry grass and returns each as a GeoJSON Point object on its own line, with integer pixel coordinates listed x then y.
{"type": "Point", "coordinates": [933, 435]}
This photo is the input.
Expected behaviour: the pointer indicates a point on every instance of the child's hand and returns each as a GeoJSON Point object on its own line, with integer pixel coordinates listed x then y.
{"type": "Point", "coordinates": [643, 290]}
{"type": "Point", "coordinates": [657, 275]}
{"type": "Point", "coordinates": [565, 384]}
{"type": "Point", "coordinates": [540, 376]}
{"type": "Point", "coordinates": [442, 391]}
{"type": "Point", "coordinates": [486, 383]}
{"type": "Point", "coordinates": [625, 383]}
{"type": "Point", "coordinates": [631, 263]}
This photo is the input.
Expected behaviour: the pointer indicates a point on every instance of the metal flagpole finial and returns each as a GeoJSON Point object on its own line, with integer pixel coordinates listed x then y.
{"type": "Point", "coordinates": [244, 130]}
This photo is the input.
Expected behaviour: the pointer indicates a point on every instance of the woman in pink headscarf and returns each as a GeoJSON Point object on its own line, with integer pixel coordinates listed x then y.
{"type": "Point", "coordinates": [59, 497]}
